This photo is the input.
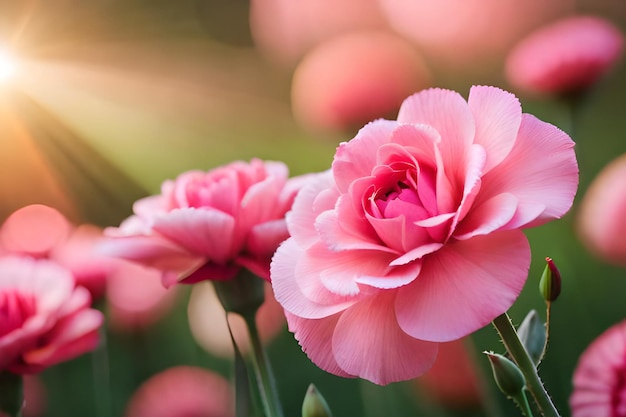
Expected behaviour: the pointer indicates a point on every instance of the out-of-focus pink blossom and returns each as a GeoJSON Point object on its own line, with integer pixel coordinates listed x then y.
{"type": "Point", "coordinates": [40, 231]}
{"type": "Point", "coordinates": [599, 389]}
{"type": "Point", "coordinates": [413, 237]}
{"type": "Point", "coordinates": [470, 32]}
{"type": "Point", "coordinates": [601, 220]}
{"type": "Point", "coordinates": [454, 380]}
{"type": "Point", "coordinates": [46, 319]}
{"type": "Point", "coordinates": [136, 298]}
{"type": "Point", "coordinates": [285, 30]}
{"type": "Point", "coordinates": [207, 320]}
{"type": "Point", "coordinates": [566, 56]}
{"type": "Point", "coordinates": [182, 391]}
{"type": "Point", "coordinates": [354, 78]}
{"type": "Point", "coordinates": [209, 225]}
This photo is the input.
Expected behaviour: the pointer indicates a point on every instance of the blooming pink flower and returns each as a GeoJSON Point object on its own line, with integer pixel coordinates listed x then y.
{"type": "Point", "coordinates": [599, 389]}
{"type": "Point", "coordinates": [40, 231]}
{"type": "Point", "coordinates": [601, 221]}
{"type": "Point", "coordinates": [354, 78]}
{"type": "Point", "coordinates": [207, 320]}
{"type": "Point", "coordinates": [566, 56]}
{"type": "Point", "coordinates": [209, 225]}
{"type": "Point", "coordinates": [412, 238]}
{"type": "Point", "coordinates": [44, 318]}
{"type": "Point", "coordinates": [182, 391]}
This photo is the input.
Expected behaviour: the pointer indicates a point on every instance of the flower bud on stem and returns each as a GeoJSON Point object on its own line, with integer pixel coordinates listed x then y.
{"type": "Point", "coordinates": [520, 356]}
{"type": "Point", "coordinates": [314, 404]}
{"type": "Point", "coordinates": [510, 380]}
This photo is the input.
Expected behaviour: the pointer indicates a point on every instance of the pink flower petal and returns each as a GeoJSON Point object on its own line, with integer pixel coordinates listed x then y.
{"type": "Point", "coordinates": [349, 233]}
{"type": "Point", "coordinates": [383, 353]}
{"type": "Point", "coordinates": [488, 217]}
{"type": "Point", "coordinates": [447, 112]}
{"type": "Point", "coordinates": [264, 238]}
{"type": "Point", "coordinates": [205, 232]}
{"type": "Point", "coordinates": [541, 169]}
{"type": "Point", "coordinates": [357, 158]}
{"type": "Point", "coordinates": [291, 296]}
{"type": "Point", "coordinates": [464, 286]}
{"type": "Point", "coordinates": [315, 337]}
{"type": "Point", "coordinates": [152, 251]}
{"type": "Point", "coordinates": [308, 204]}
{"type": "Point", "coordinates": [498, 115]}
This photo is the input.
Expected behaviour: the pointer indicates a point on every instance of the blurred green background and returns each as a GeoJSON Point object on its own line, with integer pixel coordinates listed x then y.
{"type": "Point", "coordinates": [124, 94]}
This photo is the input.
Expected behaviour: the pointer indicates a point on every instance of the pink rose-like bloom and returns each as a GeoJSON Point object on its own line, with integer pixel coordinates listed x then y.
{"type": "Point", "coordinates": [413, 237]}
{"type": "Point", "coordinates": [209, 225]}
{"type": "Point", "coordinates": [182, 391]}
{"type": "Point", "coordinates": [601, 221]}
{"type": "Point", "coordinates": [42, 232]}
{"type": "Point", "coordinates": [566, 56]}
{"type": "Point", "coordinates": [44, 318]}
{"type": "Point", "coordinates": [352, 79]}
{"type": "Point", "coordinates": [599, 389]}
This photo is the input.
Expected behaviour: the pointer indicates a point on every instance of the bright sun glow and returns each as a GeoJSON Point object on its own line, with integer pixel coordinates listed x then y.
{"type": "Point", "coordinates": [8, 66]}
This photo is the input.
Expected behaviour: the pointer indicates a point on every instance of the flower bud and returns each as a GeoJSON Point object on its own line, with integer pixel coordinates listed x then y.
{"type": "Point", "coordinates": [532, 333]}
{"type": "Point", "coordinates": [509, 378]}
{"type": "Point", "coordinates": [550, 283]}
{"type": "Point", "coordinates": [314, 405]}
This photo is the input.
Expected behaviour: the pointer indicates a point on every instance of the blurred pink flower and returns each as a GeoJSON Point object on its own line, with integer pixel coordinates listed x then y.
{"type": "Point", "coordinates": [470, 32]}
{"type": "Point", "coordinates": [285, 30]}
{"type": "Point", "coordinates": [40, 231]}
{"type": "Point", "coordinates": [601, 220]}
{"type": "Point", "coordinates": [45, 318]}
{"type": "Point", "coordinates": [599, 389]}
{"type": "Point", "coordinates": [136, 298]}
{"type": "Point", "coordinates": [182, 391]}
{"type": "Point", "coordinates": [209, 328]}
{"type": "Point", "coordinates": [209, 225]}
{"type": "Point", "coordinates": [414, 232]}
{"type": "Point", "coordinates": [566, 56]}
{"type": "Point", "coordinates": [354, 78]}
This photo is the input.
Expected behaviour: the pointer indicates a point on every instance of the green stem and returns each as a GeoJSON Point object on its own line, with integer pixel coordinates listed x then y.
{"type": "Point", "coordinates": [522, 401]}
{"type": "Point", "coordinates": [265, 377]}
{"type": "Point", "coordinates": [518, 353]}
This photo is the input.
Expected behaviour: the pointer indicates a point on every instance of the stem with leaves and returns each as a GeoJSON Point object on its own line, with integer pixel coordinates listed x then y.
{"type": "Point", "coordinates": [520, 356]}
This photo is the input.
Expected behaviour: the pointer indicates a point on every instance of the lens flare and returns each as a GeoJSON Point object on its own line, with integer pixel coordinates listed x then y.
{"type": "Point", "coordinates": [8, 66]}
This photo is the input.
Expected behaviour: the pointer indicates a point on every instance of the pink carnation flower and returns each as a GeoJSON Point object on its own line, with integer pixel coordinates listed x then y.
{"type": "Point", "coordinates": [566, 56]}
{"type": "Point", "coordinates": [412, 238]}
{"type": "Point", "coordinates": [601, 221]}
{"type": "Point", "coordinates": [209, 225]}
{"type": "Point", "coordinates": [599, 389]}
{"type": "Point", "coordinates": [44, 318]}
